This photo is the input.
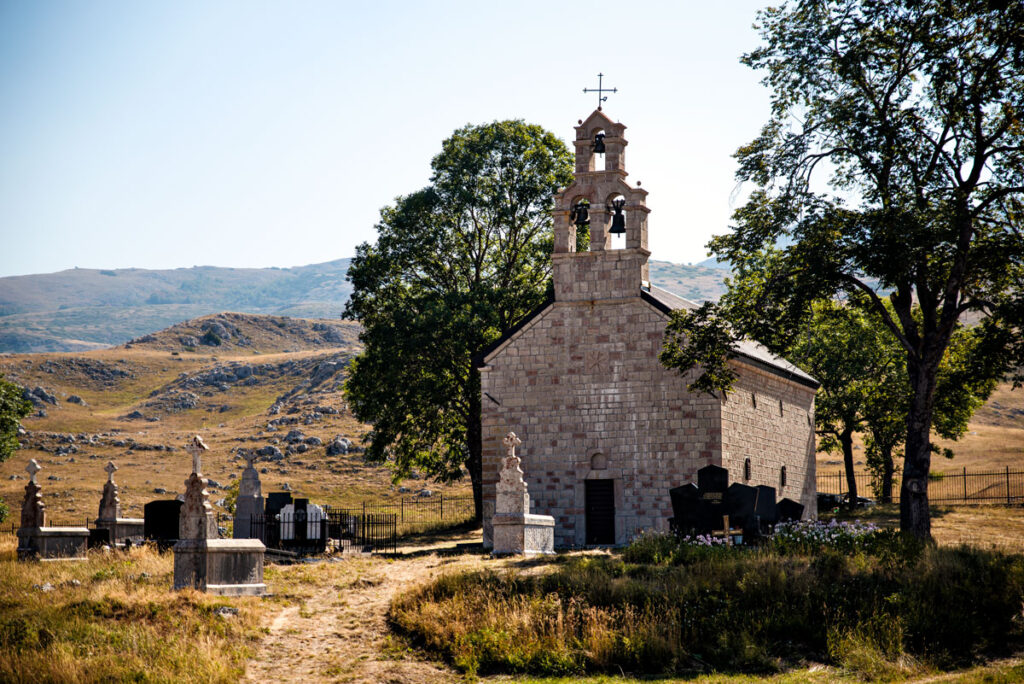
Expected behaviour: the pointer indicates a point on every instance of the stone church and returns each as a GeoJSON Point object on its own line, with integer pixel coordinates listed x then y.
{"type": "Point", "coordinates": [607, 430]}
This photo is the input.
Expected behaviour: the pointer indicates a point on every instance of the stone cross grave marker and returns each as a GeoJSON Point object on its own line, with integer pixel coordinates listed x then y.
{"type": "Point", "coordinates": [32, 468]}
{"type": "Point", "coordinates": [512, 496]}
{"type": "Point", "coordinates": [111, 469]}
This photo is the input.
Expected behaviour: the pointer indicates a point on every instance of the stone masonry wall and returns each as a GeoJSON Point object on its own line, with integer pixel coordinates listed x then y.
{"type": "Point", "coordinates": [771, 421]}
{"type": "Point", "coordinates": [581, 385]}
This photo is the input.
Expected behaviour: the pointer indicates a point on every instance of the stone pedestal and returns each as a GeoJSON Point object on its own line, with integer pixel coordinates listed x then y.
{"type": "Point", "coordinates": [249, 502]}
{"type": "Point", "coordinates": [523, 534]}
{"type": "Point", "coordinates": [231, 567]}
{"type": "Point", "coordinates": [36, 541]}
{"type": "Point", "coordinates": [514, 529]}
{"type": "Point", "coordinates": [53, 543]}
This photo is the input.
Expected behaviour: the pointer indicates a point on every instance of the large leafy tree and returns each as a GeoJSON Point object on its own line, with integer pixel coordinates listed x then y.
{"type": "Point", "coordinates": [892, 168]}
{"type": "Point", "coordinates": [13, 407]}
{"type": "Point", "coordinates": [454, 267]}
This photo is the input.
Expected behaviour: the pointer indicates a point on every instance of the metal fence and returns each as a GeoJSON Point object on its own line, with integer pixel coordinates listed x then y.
{"type": "Point", "coordinates": [957, 487]}
{"type": "Point", "coordinates": [308, 534]}
{"type": "Point", "coordinates": [415, 514]}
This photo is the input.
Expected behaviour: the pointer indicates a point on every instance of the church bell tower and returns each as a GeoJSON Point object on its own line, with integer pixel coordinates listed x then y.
{"type": "Point", "coordinates": [615, 266]}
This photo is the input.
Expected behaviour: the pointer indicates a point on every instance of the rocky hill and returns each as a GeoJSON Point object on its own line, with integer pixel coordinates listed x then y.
{"type": "Point", "coordinates": [267, 385]}
{"type": "Point", "coordinates": [82, 309]}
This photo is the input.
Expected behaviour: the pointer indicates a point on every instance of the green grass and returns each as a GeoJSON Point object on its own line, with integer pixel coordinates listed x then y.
{"type": "Point", "coordinates": [888, 609]}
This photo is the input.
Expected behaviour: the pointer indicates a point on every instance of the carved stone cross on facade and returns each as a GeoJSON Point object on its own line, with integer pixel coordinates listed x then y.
{"type": "Point", "coordinates": [110, 468]}
{"type": "Point", "coordinates": [196, 447]}
{"type": "Point", "coordinates": [511, 442]}
{"type": "Point", "coordinates": [32, 468]}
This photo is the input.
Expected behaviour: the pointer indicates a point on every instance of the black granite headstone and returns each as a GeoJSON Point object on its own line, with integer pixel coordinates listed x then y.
{"type": "Point", "coordinates": [712, 480]}
{"type": "Point", "coordinates": [765, 509]}
{"type": "Point", "coordinates": [790, 510]}
{"type": "Point", "coordinates": [161, 521]}
{"type": "Point", "coordinates": [740, 501]}
{"type": "Point", "coordinates": [275, 502]}
{"type": "Point", "coordinates": [98, 537]}
{"type": "Point", "coordinates": [685, 503]}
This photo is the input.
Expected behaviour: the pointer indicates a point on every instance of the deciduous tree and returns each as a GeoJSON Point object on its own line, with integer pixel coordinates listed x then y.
{"type": "Point", "coordinates": [454, 267]}
{"type": "Point", "coordinates": [893, 162]}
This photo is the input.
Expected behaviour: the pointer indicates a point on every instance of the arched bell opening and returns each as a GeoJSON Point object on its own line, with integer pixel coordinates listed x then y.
{"type": "Point", "coordinates": [616, 207]}
{"type": "Point", "coordinates": [579, 219]}
{"type": "Point", "coordinates": [597, 146]}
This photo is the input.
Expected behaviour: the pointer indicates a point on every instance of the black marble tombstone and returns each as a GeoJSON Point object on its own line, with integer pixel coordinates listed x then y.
{"type": "Point", "coordinates": [685, 503]}
{"type": "Point", "coordinates": [790, 510]}
{"type": "Point", "coordinates": [713, 482]}
{"type": "Point", "coordinates": [98, 537]}
{"type": "Point", "coordinates": [161, 521]}
{"type": "Point", "coordinates": [765, 509]}
{"type": "Point", "coordinates": [275, 502]}
{"type": "Point", "coordinates": [741, 501]}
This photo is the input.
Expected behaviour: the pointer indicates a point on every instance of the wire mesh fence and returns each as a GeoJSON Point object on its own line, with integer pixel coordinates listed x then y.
{"type": "Point", "coordinates": [957, 487]}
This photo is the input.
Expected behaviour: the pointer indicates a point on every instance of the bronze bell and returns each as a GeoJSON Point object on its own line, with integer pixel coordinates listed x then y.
{"type": "Point", "coordinates": [618, 219]}
{"type": "Point", "coordinates": [580, 214]}
{"type": "Point", "coordinates": [599, 143]}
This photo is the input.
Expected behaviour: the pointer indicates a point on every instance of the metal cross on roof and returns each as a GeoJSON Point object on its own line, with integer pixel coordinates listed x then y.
{"type": "Point", "coordinates": [600, 89]}
{"type": "Point", "coordinates": [110, 468]}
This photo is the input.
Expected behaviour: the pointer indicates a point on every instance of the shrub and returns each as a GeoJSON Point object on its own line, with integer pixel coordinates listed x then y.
{"type": "Point", "coordinates": [4, 510]}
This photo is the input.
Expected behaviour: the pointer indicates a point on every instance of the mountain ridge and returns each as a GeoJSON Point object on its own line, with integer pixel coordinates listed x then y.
{"type": "Point", "coordinates": [81, 309]}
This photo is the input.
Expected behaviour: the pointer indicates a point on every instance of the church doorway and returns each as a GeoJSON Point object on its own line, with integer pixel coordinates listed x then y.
{"type": "Point", "coordinates": [600, 511]}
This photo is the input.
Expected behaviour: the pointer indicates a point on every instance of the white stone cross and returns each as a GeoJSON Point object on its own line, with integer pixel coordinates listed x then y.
{"type": "Point", "coordinates": [32, 468]}
{"type": "Point", "coordinates": [511, 442]}
{"type": "Point", "coordinates": [196, 447]}
{"type": "Point", "coordinates": [110, 468]}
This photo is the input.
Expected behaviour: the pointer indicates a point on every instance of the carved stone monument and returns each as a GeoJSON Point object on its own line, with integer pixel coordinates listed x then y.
{"type": "Point", "coordinates": [110, 518]}
{"type": "Point", "coordinates": [36, 541]}
{"type": "Point", "coordinates": [230, 567]}
{"type": "Point", "coordinates": [515, 530]}
{"type": "Point", "coordinates": [250, 499]}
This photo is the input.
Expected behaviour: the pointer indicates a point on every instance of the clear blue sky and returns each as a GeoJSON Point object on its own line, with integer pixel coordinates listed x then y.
{"type": "Point", "coordinates": [231, 133]}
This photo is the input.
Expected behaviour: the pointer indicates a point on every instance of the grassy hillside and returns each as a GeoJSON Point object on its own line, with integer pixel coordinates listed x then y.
{"type": "Point", "coordinates": [141, 402]}
{"type": "Point", "coordinates": [82, 309]}
{"type": "Point", "coordinates": [73, 309]}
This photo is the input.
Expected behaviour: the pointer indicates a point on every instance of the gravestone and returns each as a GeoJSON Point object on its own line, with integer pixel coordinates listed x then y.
{"type": "Point", "coordinates": [713, 482]}
{"type": "Point", "coordinates": [515, 530]}
{"type": "Point", "coordinates": [766, 510]}
{"type": "Point", "coordinates": [249, 503]}
{"type": "Point", "coordinates": [109, 518]}
{"type": "Point", "coordinates": [741, 503]}
{"type": "Point", "coordinates": [204, 562]}
{"type": "Point", "coordinates": [276, 501]}
{"type": "Point", "coordinates": [161, 519]}
{"type": "Point", "coordinates": [685, 508]}
{"type": "Point", "coordinates": [37, 541]}
{"type": "Point", "coordinates": [790, 510]}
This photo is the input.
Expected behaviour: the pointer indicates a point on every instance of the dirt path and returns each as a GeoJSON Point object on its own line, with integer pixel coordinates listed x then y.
{"type": "Point", "coordinates": [330, 623]}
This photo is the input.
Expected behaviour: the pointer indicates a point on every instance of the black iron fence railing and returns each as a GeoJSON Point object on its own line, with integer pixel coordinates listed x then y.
{"type": "Point", "coordinates": [957, 487]}
{"type": "Point", "coordinates": [308, 533]}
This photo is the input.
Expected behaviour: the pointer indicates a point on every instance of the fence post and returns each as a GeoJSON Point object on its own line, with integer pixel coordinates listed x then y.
{"type": "Point", "coordinates": [442, 503]}
{"type": "Point", "coordinates": [1007, 485]}
{"type": "Point", "coordinates": [403, 510]}
{"type": "Point", "coordinates": [965, 484]}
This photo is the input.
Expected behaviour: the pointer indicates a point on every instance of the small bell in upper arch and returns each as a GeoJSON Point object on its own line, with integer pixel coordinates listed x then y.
{"type": "Point", "coordinates": [618, 219]}
{"type": "Point", "coordinates": [599, 143]}
{"type": "Point", "coordinates": [580, 213]}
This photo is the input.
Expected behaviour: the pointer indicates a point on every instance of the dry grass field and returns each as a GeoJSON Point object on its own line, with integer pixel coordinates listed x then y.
{"type": "Point", "coordinates": [115, 382]}
{"type": "Point", "coordinates": [114, 618]}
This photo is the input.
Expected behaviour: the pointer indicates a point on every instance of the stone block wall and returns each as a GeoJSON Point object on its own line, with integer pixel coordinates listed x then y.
{"type": "Point", "coordinates": [770, 420]}
{"type": "Point", "coordinates": [582, 386]}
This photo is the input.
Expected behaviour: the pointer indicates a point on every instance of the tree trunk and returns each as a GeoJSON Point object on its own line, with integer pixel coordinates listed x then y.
{"type": "Point", "coordinates": [846, 440]}
{"type": "Point", "coordinates": [474, 444]}
{"type": "Point", "coordinates": [915, 517]}
{"type": "Point", "coordinates": [888, 469]}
